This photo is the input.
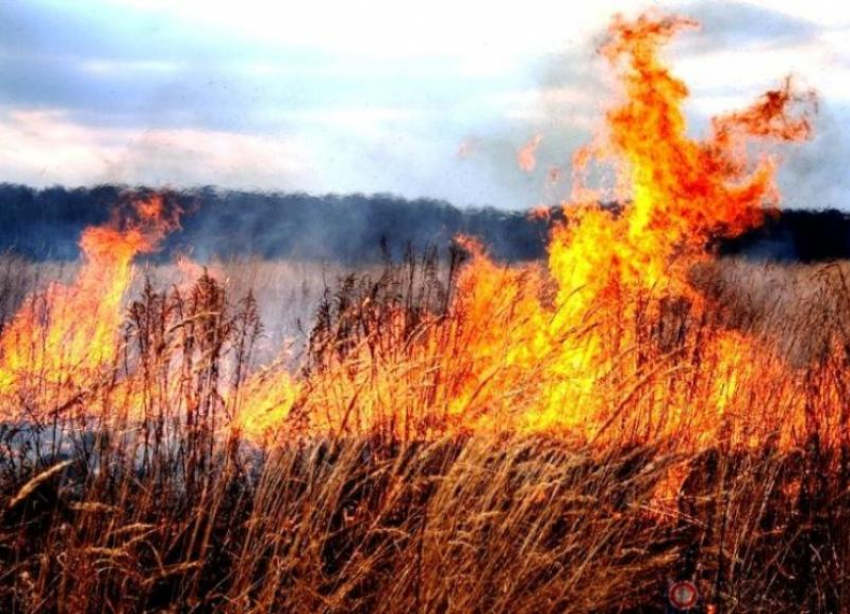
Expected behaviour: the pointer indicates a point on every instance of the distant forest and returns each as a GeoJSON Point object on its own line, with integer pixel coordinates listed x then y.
{"type": "Point", "coordinates": [46, 223]}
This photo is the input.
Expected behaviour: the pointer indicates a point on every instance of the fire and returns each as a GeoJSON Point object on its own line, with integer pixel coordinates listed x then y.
{"type": "Point", "coordinates": [61, 341]}
{"type": "Point", "coordinates": [526, 157]}
{"type": "Point", "coordinates": [571, 348]}
{"type": "Point", "coordinates": [680, 191]}
{"type": "Point", "coordinates": [589, 345]}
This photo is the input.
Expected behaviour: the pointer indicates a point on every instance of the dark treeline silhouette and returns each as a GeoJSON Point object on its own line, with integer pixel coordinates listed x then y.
{"type": "Point", "coordinates": [46, 223]}
{"type": "Point", "coordinates": [795, 235]}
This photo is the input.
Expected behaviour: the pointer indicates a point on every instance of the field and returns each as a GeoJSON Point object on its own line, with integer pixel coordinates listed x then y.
{"type": "Point", "coordinates": [100, 516]}
{"type": "Point", "coordinates": [589, 432]}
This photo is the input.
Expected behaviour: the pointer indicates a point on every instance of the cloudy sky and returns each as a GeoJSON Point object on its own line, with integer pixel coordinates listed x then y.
{"type": "Point", "coordinates": [416, 98]}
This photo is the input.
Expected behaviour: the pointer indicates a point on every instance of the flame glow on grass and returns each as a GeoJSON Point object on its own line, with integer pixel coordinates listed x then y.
{"type": "Point", "coordinates": [63, 338]}
{"type": "Point", "coordinates": [569, 348]}
{"type": "Point", "coordinates": [590, 346]}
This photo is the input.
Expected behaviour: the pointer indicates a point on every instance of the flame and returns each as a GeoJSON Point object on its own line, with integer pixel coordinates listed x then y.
{"type": "Point", "coordinates": [540, 213]}
{"type": "Point", "coordinates": [680, 190]}
{"type": "Point", "coordinates": [560, 348]}
{"type": "Point", "coordinates": [526, 157]}
{"type": "Point", "coordinates": [61, 341]}
{"type": "Point", "coordinates": [586, 345]}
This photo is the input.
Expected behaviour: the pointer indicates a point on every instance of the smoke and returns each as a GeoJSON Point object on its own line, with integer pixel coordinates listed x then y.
{"type": "Point", "coordinates": [737, 24]}
{"type": "Point", "coordinates": [351, 229]}
{"type": "Point", "coordinates": [818, 169]}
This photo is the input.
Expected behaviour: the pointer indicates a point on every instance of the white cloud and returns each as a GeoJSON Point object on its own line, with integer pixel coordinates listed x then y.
{"type": "Point", "coordinates": [398, 27]}
{"type": "Point", "coordinates": [364, 121]}
{"type": "Point", "coordinates": [106, 67]}
{"type": "Point", "coordinates": [45, 147]}
{"type": "Point", "coordinates": [826, 13]}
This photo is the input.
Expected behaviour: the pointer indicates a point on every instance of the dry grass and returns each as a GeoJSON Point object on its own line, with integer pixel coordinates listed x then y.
{"type": "Point", "coordinates": [163, 514]}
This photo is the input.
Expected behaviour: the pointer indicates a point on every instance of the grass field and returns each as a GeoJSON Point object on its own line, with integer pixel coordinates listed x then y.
{"type": "Point", "coordinates": [104, 511]}
{"type": "Point", "coordinates": [447, 434]}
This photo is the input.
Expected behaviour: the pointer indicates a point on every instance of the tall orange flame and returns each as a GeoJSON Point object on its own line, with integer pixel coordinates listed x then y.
{"type": "Point", "coordinates": [563, 349]}
{"type": "Point", "coordinates": [585, 345]}
{"type": "Point", "coordinates": [526, 157]}
{"type": "Point", "coordinates": [61, 340]}
{"type": "Point", "coordinates": [680, 191]}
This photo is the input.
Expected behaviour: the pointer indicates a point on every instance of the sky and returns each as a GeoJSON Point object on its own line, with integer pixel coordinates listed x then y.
{"type": "Point", "coordinates": [429, 99]}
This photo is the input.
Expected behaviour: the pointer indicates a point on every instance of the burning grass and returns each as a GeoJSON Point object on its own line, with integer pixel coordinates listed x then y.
{"type": "Point", "coordinates": [104, 510]}
{"type": "Point", "coordinates": [455, 435]}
